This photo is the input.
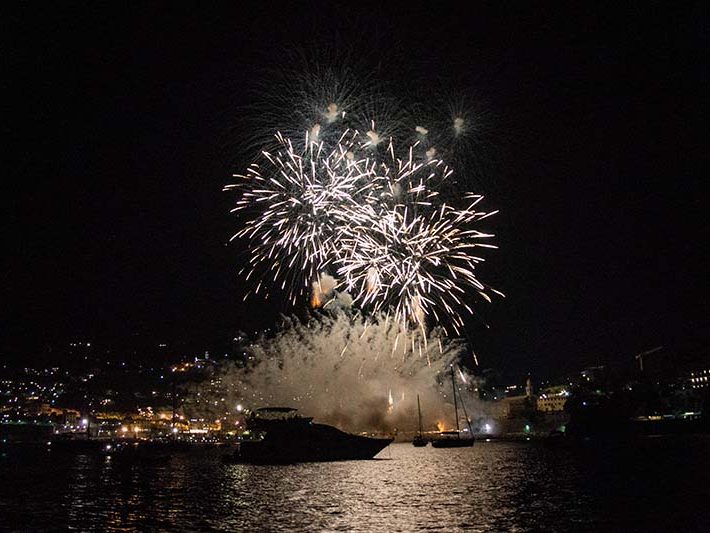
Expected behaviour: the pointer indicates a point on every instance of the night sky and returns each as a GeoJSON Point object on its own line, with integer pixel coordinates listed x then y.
{"type": "Point", "coordinates": [123, 127]}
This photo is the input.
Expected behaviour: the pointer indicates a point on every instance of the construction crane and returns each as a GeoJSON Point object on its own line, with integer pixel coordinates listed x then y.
{"type": "Point", "coordinates": [640, 356]}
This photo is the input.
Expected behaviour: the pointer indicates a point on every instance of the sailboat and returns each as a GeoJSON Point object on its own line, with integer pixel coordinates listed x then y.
{"type": "Point", "coordinates": [419, 439]}
{"type": "Point", "coordinates": [452, 439]}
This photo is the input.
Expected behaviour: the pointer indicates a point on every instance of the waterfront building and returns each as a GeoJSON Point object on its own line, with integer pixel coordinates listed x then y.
{"type": "Point", "coordinates": [552, 399]}
{"type": "Point", "coordinates": [522, 405]}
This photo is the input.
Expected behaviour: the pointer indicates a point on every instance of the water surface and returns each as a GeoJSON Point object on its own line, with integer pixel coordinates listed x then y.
{"type": "Point", "coordinates": [653, 484]}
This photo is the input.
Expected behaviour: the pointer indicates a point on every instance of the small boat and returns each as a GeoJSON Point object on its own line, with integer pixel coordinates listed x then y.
{"type": "Point", "coordinates": [453, 439]}
{"type": "Point", "coordinates": [76, 443]}
{"type": "Point", "coordinates": [419, 440]}
{"type": "Point", "coordinates": [284, 437]}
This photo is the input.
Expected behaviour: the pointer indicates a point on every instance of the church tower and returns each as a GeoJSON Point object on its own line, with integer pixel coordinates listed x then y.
{"type": "Point", "coordinates": [528, 387]}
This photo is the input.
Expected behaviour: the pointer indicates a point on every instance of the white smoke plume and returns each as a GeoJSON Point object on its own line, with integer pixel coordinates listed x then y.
{"type": "Point", "coordinates": [324, 294]}
{"type": "Point", "coordinates": [359, 374]}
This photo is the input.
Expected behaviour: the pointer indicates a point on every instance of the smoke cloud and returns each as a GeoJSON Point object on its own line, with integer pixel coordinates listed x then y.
{"type": "Point", "coordinates": [359, 374]}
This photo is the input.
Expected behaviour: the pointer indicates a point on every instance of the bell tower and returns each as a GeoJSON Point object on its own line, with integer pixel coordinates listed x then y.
{"type": "Point", "coordinates": [528, 387]}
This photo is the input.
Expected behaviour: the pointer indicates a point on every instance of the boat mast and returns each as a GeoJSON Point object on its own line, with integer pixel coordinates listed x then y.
{"type": "Point", "coordinates": [468, 420]}
{"type": "Point", "coordinates": [419, 410]}
{"type": "Point", "coordinates": [456, 407]}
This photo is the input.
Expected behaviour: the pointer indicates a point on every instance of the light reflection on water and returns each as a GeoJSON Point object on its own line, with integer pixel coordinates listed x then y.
{"type": "Point", "coordinates": [652, 484]}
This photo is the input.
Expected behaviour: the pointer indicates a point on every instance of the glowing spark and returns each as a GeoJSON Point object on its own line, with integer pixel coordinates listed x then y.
{"type": "Point", "coordinates": [458, 125]}
{"type": "Point", "coordinates": [332, 114]}
{"type": "Point", "coordinates": [374, 137]}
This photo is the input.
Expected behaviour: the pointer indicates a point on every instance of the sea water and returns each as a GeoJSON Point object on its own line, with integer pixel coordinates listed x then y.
{"type": "Point", "coordinates": [649, 484]}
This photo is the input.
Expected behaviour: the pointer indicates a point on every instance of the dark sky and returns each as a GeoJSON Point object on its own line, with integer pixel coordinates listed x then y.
{"type": "Point", "coordinates": [121, 125]}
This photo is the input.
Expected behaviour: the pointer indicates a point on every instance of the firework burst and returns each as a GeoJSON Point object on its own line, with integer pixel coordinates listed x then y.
{"type": "Point", "coordinates": [417, 265]}
{"type": "Point", "coordinates": [335, 196]}
{"type": "Point", "coordinates": [293, 204]}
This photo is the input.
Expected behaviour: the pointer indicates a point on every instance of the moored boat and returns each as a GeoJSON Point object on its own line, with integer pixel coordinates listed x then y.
{"type": "Point", "coordinates": [453, 439]}
{"type": "Point", "coordinates": [419, 441]}
{"type": "Point", "coordinates": [281, 436]}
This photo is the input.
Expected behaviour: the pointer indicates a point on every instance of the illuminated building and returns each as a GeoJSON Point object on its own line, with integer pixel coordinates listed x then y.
{"type": "Point", "coordinates": [552, 399]}
{"type": "Point", "coordinates": [520, 406]}
{"type": "Point", "coordinates": [700, 379]}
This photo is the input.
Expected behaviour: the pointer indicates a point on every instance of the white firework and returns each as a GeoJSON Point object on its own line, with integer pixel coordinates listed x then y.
{"type": "Point", "coordinates": [417, 265]}
{"type": "Point", "coordinates": [375, 220]}
{"type": "Point", "coordinates": [293, 205]}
